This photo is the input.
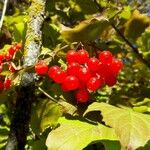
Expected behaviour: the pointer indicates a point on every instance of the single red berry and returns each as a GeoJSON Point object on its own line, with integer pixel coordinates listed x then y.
{"type": "Point", "coordinates": [52, 70]}
{"type": "Point", "coordinates": [94, 83]}
{"type": "Point", "coordinates": [60, 76]}
{"type": "Point", "coordinates": [83, 56]}
{"type": "Point", "coordinates": [93, 64]}
{"type": "Point", "coordinates": [104, 71]}
{"type": "Point", "coordinates": [7, 83]}
{"type": "Point", "coordinates": [11, 68]}
{"type": "Point", "coordinates": [12, 50]}
{"type": "Point", "coordinates": [73, 68]}
{"type": "Point", "coordinates": [105, 57]}
{"type": "Point", "coordinates": [8, 57]}
{"type": "Point", "coordinates": [41, 68]}
{"type": "Point", "coordinates": [1, 86]}
{"type": "Point", "coordinates": [2, 57]}
{"type": "Point", "coordinates": [71, 82]}
{"type": "Point", "coordinates": [116, 65]}
{"type": "Point", "coordinates": [64, 88]}
{"type": "Point", "coordinates": [82, 96]}
{"type": "Point", "coordinates": [111, 81]}
{"type": "Point", "coordinates": [84, 74]}
{"type": "Point", "coordinates": [72, 56]}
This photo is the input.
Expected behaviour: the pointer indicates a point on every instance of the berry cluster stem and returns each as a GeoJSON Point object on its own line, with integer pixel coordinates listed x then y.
{"type": "Point", "coordinates": [25, 93]}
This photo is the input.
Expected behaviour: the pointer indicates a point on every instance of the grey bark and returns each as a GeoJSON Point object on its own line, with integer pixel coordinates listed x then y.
{"type": "Point", "coordinates": [25, 94]}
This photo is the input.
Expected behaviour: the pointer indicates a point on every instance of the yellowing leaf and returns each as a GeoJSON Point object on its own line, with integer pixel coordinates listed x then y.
{"type": "Point", "coordinates": [132, 128]}
{"type": "Point", "coordinates": [75, 135]}
{"type": "Point", "coordinates": [136, 25]}
{"type": "Point", "coordinates": [86, 31]}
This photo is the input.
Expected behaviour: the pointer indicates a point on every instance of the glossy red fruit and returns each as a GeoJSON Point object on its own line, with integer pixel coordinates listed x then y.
{"type": "Point", "coordinates": [8, 57]}
{"type": "Point", "coordinates": [71, 83]}
{"type": "Point", "coordinates": [72, 56]}
{"type": "Point", "coordinates": [2, 57]}
{"type": "Point", "coordinates": [94, 83]}
{"type": "Point", "coordinates": [1, 86]}
{"type": "Point", "coordinates": [105, 57]}
{"type": "Point", "coordinates": [111, 81]}
{"type": "Point", "coordinates": [73, 69]}
{"type": "Point", "coordinates": [82, 96]}
{"type": "Point", "coordinates": [116, 65]}
{"type": "Point", "coordinates": [93, 64]}
{"type": "Point", "coordinates": [52, 70]}
{"type": "Point", "coordinates": [41, 68]}
{"type": "Point", "coordinates": [7, 83]}
{"type": "Point", "coordinates": [84, 74]}
{"type": "Point", "coordinates": [83, 56]}
{"type": "Point", "coordinates": [59, 76]}
{"type": "Point", "coordinates": [12, 50]}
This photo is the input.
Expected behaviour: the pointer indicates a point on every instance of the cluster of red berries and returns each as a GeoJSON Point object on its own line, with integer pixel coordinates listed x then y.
{"type": "Point", "coordinates": [6, 58]}
{"type": "Point", "coordinates": [83, 74]}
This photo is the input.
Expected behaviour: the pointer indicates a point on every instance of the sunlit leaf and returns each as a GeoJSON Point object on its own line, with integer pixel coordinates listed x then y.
{"type": "Point", "coordinates": [86, 31]}
{"type": "Point", "coordinates": [136, 25]}
{"type": "Point", "coordinates": [132, 128]}
{"type": "Point", "coordinates": [45, 114]}
{"type": "Point", "coordinates": [75, 135]}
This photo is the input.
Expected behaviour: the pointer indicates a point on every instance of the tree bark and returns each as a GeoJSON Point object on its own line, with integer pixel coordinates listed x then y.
{"type": "Point", "coordinates": [25, 94]}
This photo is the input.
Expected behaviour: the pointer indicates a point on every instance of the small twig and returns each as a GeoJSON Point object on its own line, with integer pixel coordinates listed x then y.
{"type": "Point", "coordinates": [3, 13]}
{"type": "Point", "coordinates": [135, 50]}
{"type": "Point", "coordinates": [46, 94]}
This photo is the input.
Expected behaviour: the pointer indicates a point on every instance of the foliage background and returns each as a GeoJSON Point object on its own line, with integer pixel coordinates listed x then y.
{"type": "Point", "coordinates": [130, 17]}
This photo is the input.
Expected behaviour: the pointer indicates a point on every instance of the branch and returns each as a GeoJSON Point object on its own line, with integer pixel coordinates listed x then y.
{"type": "Point", "coordinates": [26, 92]}
{"type": "Point", "coordinates": [3, 13]}
{"type": "Point", "coordinates": [135, 50]}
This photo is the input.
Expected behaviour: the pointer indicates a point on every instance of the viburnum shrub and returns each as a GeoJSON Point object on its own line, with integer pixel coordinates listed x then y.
{"type": "Point", "coordinates": [6, 59]}
{"type": "Point", "coordinates": [83, 74]}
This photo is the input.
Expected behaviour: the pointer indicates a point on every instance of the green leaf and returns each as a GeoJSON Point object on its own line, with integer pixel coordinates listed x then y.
{"type": "Point", "coordinates": [132, 128]}
{"type": "Point", "coordinates": [75, 135]}
{"type": "Point", "coordinates": [19, 32]}
{"type": "Point", "coordinates": [44, 115]}
{"type": "Point", "coordinates": [126, 12]}
{"type": "Point", "coordinates": [136, 25]}
{"type": "Point", "coordinates": [87, 30]}
{"type": "Point", "coordinates": [144, 44]}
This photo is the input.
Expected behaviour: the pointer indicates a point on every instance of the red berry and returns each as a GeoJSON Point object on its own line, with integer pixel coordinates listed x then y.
{"type": "Point", "coordinates": [83, 56]}
{"type": "Point", "coordinates": [72, 56]}
{"type": "Point", "coordinates": [111, 81]}
{"type": "Point", "coordinates": [105, 57]}
{"type": "Point", "coordinates": [71, 82]}
{"type": "Point", "coordinates": [1, 58]}
{"type": "Point", "coordinates": [93, 64]}
{"type": "Point", "coordinates": [60, 76]}
{"type": "Point", "coordinates": [41, 68]}
{"type": "Point", "coordinates": [64, 88]}
{"type": "Point", "coordinates": [52, 70]}
{"type": "Point", "coordinates": [8, 57]}
{"type": "Point", "coordinates": [7, 83]}
{"type": "Point", "coordinates": [73, 68]}
{"type": "Point", "coordinates": [12, 50]}
{"type": "Point", "coordinates": [116, 65]}
{"type": "Point", "coordinates": [1, 86]}
{"type": "Point", "coordinates": [94, 83]}
{"type": "Point", "coordinates": [84, 74]}
{"type": "Point", "coordinates": [82, 96]}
